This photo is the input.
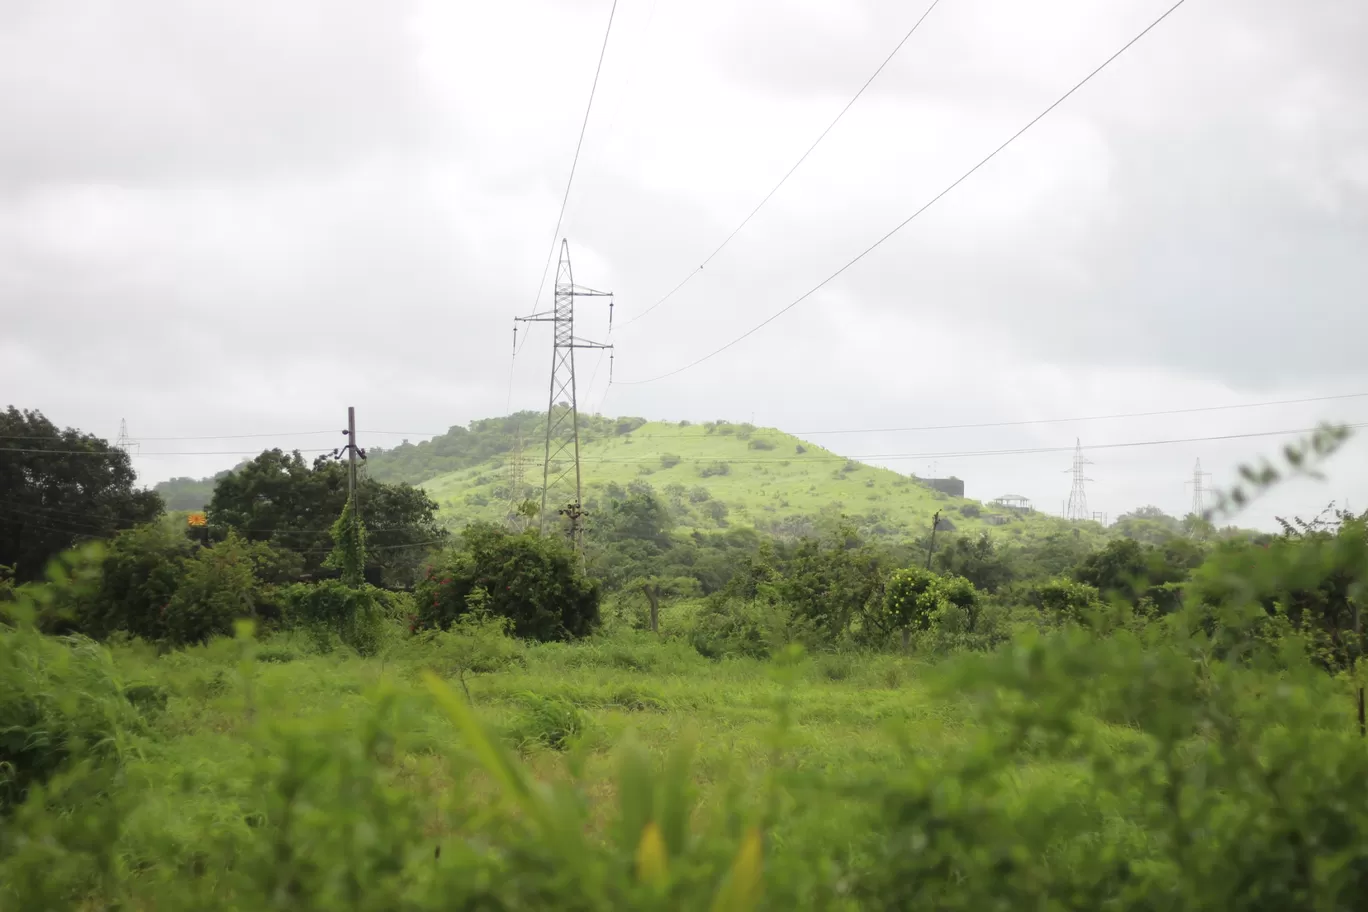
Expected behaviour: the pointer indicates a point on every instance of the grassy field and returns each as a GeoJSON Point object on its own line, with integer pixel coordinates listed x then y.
{"type": "Point", "coordinates": [765, 478]}
{"type": "Point", "coordinates": [239, 723]}
{"type": "Point", "coordinates": [244, 774]}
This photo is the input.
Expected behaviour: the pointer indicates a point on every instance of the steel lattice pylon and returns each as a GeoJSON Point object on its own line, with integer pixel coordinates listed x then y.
{"type": "Point", "coordinates": [1077, 509]}
{"type": "Point", "coordinates": [562, 409]}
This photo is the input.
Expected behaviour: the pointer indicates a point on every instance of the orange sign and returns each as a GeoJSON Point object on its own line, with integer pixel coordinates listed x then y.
{"type": "Point", "coordinates": [196, 519]}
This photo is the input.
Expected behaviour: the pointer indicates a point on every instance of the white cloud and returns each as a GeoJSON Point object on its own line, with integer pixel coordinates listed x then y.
{"type": "Point", "coordinates": [225, 219]}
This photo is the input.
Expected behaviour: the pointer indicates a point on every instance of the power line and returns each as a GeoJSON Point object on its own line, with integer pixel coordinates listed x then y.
{"type": "Point", "coordinates": [982, 424]}
{"type": "Point", "coordinates": [1150, 414]}
{"type": "Point", "coordinates": [957, 454]}
{"type": "Point", "coordinates": [555, 235]}
{"type": "Point", "coordinates": [796, 164]}
{"type": "Point", "coordinates": [104, 454]}
{"type": "Point", "coordinates": [991, 155]}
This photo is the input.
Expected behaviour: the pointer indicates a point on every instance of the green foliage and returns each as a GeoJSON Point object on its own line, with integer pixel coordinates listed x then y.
{"type": "Point", "coordinates": [281, 499]}
{"type": "Point", "coordinates": [1065, 601]}
{"type": "Point", "coordinates": [60, 702]}
{"type": "Point", "coordinates": [355, 615]}
{"type": "Point", "coordinates": [349, 546]}
{"type": "Point", "coordinates": [909, 601]}
{"type": "Point", "coordinates": [139, 577]}
{"type": "Point", "coordinates": [215, 588]}
{"type": "Point", "coordinates": [475, 643]}
{"type": "Point", "coordinates": [50, 501]}
{"type": "Point", "coordinates": [192, 494]}
{"type": "Point", "coordinates": [978, 559]}
{"type": "Point", "coordinates": [535, 581]}
{"type": "Point", "coordinates": [551, 721]}
{"type": "Point", "coordinates": [832, 581]}
{"type": "Point", "coordinates": [713, 469]}
{"type": "Point", "coordinates": [1309, 580]}
{"type": "Point", "coordinates": [669, 460]}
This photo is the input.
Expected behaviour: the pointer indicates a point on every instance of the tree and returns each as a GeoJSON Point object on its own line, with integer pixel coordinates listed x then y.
{"type": "Point", "coordinates": [281, 499]}
{"type": "Point", "coordinates": [1148, 525]}
{"type": "Point", "coordinates": [58, 487]}
{"type": "Point", "coordinates": [833, 580]}
{"type": "Point", "coordinates": [533, 580]}
{"type": "Point", "coordinates": [977, 559]}
{"type": "Point", "coordinates": [138, 579]}
{"type": "Point", "coordinates": [216, 587]}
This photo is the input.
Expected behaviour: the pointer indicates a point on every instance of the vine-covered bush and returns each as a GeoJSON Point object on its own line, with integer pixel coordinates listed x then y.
{"type": "Point", "coordinates": [533, 580]}
{"type": "Point", "coordinates": [355, 615]}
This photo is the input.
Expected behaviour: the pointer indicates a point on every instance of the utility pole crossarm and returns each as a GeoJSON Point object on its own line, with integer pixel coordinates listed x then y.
{"type": "Point", "coordinates": [544, 317]}
{"type": "Point", "coordinates": [583, 343]}
{"type": "Point", "coordinates": [580, 291]}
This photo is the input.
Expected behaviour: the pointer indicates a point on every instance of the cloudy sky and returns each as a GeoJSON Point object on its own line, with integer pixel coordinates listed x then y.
{"type": "Point", "coordinates": [224, 218]}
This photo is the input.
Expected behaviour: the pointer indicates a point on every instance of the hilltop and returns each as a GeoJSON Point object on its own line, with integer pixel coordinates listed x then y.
{"type": "Point", "coordinates": [713, 475]}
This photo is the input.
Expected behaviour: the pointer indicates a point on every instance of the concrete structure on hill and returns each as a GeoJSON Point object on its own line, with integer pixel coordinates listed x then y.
{"type": "Point", "coordinates": [1014, 502]}
{"type": "Point", "coordinates": [952, 486]}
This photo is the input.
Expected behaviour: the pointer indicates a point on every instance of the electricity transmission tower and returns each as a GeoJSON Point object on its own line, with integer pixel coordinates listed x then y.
{"type": "Point", "coordinates": [124, 442]}
{"type": "Point", "coordinates": [562, 410]}
{"type": "Point", "coordinates": [516, 475]}
{"type": "Point", "coordinates": [1077, 510]}
{"type": "Point", "coordinates": [1199, 490]}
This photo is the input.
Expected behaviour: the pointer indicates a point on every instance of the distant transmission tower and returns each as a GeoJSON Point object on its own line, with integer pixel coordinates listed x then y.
{"type": "Point", "coordinates": [126, 443]}
{"type": "Point", "coordinates": [516, 475]}
{"type": "Point", "coordinates": [1077, 510]}
{"type": "Point", "coordinates": [1199, 490]}
{"type": "Point", "coordinates": [562, 410]}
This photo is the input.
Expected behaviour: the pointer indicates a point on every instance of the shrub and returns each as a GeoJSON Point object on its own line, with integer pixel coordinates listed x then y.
{"type": "Point", "coordinates": [1062, 600]}
{"type": "Point", "coordinates": [138, 578]}
{"type": "Point", "coordinates": [60, 701]}
{"type": "Point", "coordinates": [216, 588]}
{"type": "Point", "coordinates": [533, 580]}
{"type": "Point", "coordinates": [330, 608]}
{"type": "Point", "coordinates": [475, 643]}
{"type": "Point", "coordinates": [668, 460]}
{"type": "Point", "coordinates": [552, 721]}
{"type": "Point", "coordinates": [970, 510]}
{"type": "Point", "coordinates": [714, 468]}
{"type": "Point", "coordinates": [760, 443]}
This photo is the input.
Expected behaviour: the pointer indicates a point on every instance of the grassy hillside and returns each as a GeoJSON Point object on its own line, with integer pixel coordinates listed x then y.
{"type": "Point", "coordinates": [716, 474]}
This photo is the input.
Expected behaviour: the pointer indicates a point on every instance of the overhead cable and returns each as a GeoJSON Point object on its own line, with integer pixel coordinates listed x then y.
{"type": "Point", "coordinates": [961, 179]}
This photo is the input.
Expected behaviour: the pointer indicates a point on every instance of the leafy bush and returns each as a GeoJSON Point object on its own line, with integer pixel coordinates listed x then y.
{"type": "Point", "coordinates": [713, 469]}
{"type": "Point", "coordinates": [970, 510]}
{"type": "Point", "coordinates": [60, 701]}
{"type": "Point", "coordinates": [669, 460]}
{"type": "Point", "coordinates": [139, 577]}
{"type": "Point", "coordinates": [216, 588]}
{"type": "Point", "coordinates": [1064, 601]}
{"type": "Point", "coordinates": [552, 721]}
{"type": "Point", "coordinates": [533, 580]}
{"type": "Point", "coordinates": [475, 643]}
{"type": "Point", "coordinates": [330, 608]}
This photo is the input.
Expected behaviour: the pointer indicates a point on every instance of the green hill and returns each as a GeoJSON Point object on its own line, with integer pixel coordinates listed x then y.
{"type": "Point", "coordinates": [712, 475]}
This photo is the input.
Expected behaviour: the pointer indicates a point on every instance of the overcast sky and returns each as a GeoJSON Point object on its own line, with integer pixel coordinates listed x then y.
{"type": "Point", "coordinates": [229, 218]}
